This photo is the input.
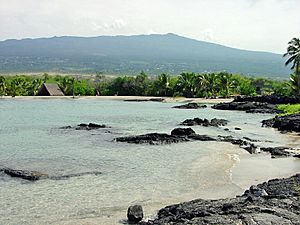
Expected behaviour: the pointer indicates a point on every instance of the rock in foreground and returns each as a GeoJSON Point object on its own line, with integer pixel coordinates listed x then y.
{"type": "Point", "coordinates": [274, 202]}
{"type": "Point", "coordinates": [191, 105]}
{"type": "Point", "coordinates": [135, 213]}
{"type": "Point", "coordinates": [284, 123]}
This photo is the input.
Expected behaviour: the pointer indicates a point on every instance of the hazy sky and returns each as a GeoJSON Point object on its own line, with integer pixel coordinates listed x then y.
{"type": "Point", "coordinates": [248, 24]}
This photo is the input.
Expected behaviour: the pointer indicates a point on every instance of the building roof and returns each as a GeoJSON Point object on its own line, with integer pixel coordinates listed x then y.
{"type": "Point", "coordinates": [50, 90]}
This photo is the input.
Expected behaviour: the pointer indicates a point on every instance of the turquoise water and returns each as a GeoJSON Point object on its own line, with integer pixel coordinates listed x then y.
{"type": "Point", "coordinates": [149, 175]}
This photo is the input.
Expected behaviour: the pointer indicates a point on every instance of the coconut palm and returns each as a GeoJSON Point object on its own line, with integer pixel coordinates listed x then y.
{"type": "Point", "coordinates": [2, 86]}
{"type": "Point", "coordinates": [186, 83]}
{"type": "Point", "coordinates": [293, 52]}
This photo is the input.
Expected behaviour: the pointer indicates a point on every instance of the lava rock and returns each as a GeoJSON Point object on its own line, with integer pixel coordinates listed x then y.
{"type": "Point", "coordinates": [153, 139]}
{"type": "Point", "coordinates": [191, 105]}
{"type": "Point", "coordinates": [284, 123]}
{"type": "Point", "coordinates": [25, 174]}
{"type": "Point", "coordinates": [274, 202]}
{"type": "Point", "coordinates": [271, 99]}
{"type": "Point", "coordinates": [182, 131]}
{"type": "Point", "coordinates": [205, 122]}
{"type": "Point", "coordinates": [135, 213]}
{"type": "Point", "coordinates": [254, 107]}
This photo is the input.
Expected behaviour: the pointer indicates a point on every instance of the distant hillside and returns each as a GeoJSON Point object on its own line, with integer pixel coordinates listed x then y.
{"type": "Point", "coordinates": [154, 54]}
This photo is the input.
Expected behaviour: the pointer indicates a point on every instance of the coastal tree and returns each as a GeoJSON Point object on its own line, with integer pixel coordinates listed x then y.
{"type": "Point", "coordinates": [293, 53]}
{"type": "Point", "coordinates": [2, 85]}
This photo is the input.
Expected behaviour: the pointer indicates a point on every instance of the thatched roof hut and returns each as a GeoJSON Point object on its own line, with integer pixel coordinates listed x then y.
{"type": "Point", "coordinates": [50, 90]}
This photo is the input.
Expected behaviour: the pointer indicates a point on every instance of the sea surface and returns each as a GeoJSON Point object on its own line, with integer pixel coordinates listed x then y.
{"type": "Point", "coordinates": [152, 176]}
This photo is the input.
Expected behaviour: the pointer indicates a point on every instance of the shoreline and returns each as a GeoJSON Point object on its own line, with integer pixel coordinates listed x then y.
{"type": "Point", "coordinates": [125, 98]}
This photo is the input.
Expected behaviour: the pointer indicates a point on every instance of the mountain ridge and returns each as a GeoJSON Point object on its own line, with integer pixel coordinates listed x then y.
{"type": "Point", "coordinates": [155, 53]}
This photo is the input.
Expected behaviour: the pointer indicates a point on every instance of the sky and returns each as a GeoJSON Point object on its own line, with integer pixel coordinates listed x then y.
{"type": "Point", "coordinates": [263, 25]}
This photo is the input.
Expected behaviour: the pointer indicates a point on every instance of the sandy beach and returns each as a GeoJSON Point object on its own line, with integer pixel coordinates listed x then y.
{"type": "Point", "coordinates": [130, 98]}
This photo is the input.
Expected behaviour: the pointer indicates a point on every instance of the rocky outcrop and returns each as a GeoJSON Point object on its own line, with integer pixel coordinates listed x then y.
{"type": "Point", "coordinates": [249, 107]}
{"type": "Point", "coordinates": [271, 99]}
{"type": "Point", "coordinates": [274, 202]}
{"type": "Point", "coordinates": [35, 175]}
{"type": "Point", "coordinates": [205, 122]}
{"type": "Point", "coordinates": [284, 123]}
{"type": "Point", "coordinates": [187, 134]}
{"type": "Point", "coordinates": [85, 126]}
{"type": "Point", "coordinates": [191, 105]}
{"type": "Point", "coordinates": [135, 213]}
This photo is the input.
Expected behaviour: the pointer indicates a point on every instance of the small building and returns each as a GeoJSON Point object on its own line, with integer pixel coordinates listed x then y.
{"type": "Point", "coordinates": [50, 90]}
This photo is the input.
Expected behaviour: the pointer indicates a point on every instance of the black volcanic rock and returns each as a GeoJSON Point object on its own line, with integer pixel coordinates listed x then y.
{"type": "Point", "coordinates": [25, 174]}
{"type": "Point", "coordinates": [35, 175]}
{"type": "Point", "coordinates": [284, 123]}
{"type": "Point", "coordinates": [271, 99]}
{"type": "Point", "coordinates": [191, 105]}
{"type": "Point", "coordinates": [182, 131]}
{"type": "Point", "coordinates": [249, 107]}
{"type": "Point", "coordinates": [205, 122]}
{"type": "Point", "coordinates": [135, 213]}
{"type": "Point", "coordinates": [274, 202]}
{"type": "Point", "coordinates": [85, 126]}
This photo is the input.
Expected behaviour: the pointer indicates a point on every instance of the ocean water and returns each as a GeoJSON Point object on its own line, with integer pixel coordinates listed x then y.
{"type": "Point", "coordinates": [153, 176]}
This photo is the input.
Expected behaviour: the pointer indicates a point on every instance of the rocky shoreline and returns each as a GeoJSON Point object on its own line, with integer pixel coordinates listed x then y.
{"type": "Point", "coordinates": [187, 134]}
{"type": "Point", "coordinates": [274, 202]}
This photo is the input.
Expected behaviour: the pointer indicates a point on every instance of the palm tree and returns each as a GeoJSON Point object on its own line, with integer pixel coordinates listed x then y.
{"type": "Point", "coordinates": [186, 84]}
{"type": "Point", "coordinates": [293, 51]}
{"type": "Point", "coordinates": [2, 86]}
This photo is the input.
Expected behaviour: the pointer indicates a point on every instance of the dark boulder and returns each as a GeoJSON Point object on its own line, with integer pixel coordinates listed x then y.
{"type": "Point", "coordinates": [191, 105]}
{"type": "Point", "coordinates": [182, 131]}
{"type": "Point", "coordinates": [205, 122]}
{"type": "Point", "coordinates": [284, 123]}
{"type": "Point", "coordinates": [135, 213]}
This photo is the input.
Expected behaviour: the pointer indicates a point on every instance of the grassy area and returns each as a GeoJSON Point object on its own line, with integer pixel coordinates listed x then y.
{"type": "Point", "coordinates": [289, 109]}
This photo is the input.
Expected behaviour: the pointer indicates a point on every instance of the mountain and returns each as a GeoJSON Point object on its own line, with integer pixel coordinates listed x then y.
{"type": "Point", "coordinates": [153, 53]}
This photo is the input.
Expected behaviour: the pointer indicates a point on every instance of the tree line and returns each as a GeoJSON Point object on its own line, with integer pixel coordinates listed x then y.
{"type": "Point", "coordinates": [204, 85]}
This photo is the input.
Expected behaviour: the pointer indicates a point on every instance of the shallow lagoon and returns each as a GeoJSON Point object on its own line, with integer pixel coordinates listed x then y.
{"type": "Point", "coordinates": [149, 175]}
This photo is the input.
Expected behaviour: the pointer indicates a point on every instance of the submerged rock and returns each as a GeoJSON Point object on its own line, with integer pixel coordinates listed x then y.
{"type": "Point", "coordinates": [284, 123]}
{"type": "Point", "coordinates": [25, 174]}
{"type": "Point", "coordinates": [135, 213]}
{"type": "Point", "coordinates": [274, 202]}
{"type": "Point", "coordinates": [85, 126]}
{"type": "Point", "coordinates": [191, 105]}
{"type": "Point", "coordinates": [205, 122]}
{"type": "Point", "coordinates": [35, 175]}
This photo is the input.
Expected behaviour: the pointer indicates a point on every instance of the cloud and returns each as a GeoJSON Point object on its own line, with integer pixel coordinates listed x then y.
{"type": "Point", "coordinates": [249, 24]}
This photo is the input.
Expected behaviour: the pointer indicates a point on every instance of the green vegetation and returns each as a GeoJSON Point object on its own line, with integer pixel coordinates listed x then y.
{"type": "Point", "coordinates": [289, 109]}
{"type": "Point", "coordinates": [207, 85]}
